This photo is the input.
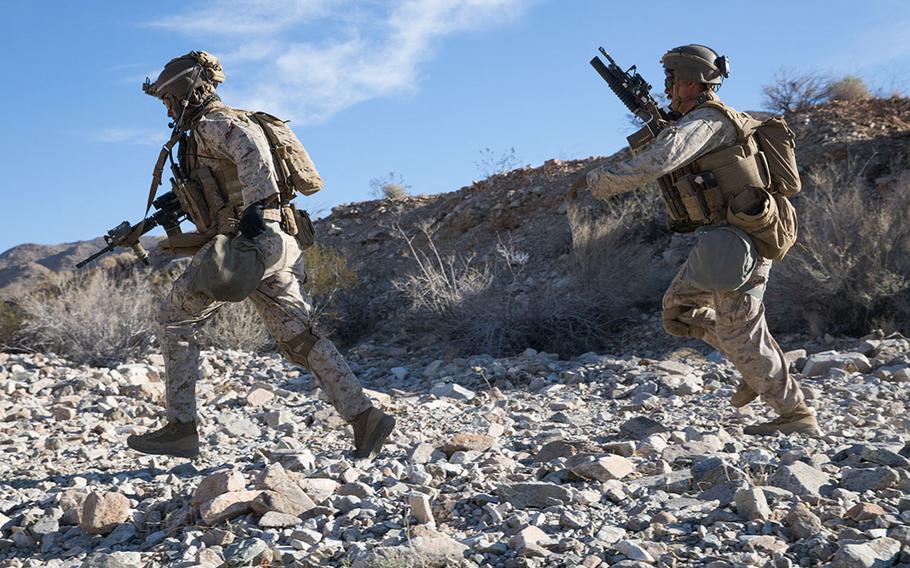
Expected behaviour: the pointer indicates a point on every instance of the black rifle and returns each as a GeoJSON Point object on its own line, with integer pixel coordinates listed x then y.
{"type": "Point", "coordinates": [168, 214]}
{"type": "Point", "coordinates": [635, 94]}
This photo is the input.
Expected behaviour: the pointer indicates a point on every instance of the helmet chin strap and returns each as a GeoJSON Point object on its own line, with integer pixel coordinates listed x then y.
{"type": "Point", "coordinates": [186, 99]}
{"type": "Point", "coordinates": [677, 102]}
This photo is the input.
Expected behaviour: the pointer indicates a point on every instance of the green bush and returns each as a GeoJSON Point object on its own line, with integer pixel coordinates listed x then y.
{"type": "Point", "coordinates": [10, 322]}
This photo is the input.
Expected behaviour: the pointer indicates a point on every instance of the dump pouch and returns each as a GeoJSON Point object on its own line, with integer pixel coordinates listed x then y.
{"type": "Point", "coordinates": [230, 269]}
{"type": "Point", "coordinates": [722, 260]}
{"type": "Point", "coordinates": [769, 219]}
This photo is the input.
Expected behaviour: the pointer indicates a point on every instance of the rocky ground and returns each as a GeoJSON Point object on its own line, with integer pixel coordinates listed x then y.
{"type": "Point", "coordinates": [527, 461]}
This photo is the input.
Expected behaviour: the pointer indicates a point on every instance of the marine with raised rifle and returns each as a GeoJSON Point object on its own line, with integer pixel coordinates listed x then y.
{"type": "Point", "coordinates": [234, 177]}
{"type": "Point", "coordinates": [727, 177]}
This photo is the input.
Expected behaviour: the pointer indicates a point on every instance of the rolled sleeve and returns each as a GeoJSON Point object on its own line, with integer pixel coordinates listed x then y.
{"type": "Point", "coordinates": [696, 134]}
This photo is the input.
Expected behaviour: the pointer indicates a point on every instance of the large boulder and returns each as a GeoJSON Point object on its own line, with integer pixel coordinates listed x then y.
{"type": "Point", "coordinates": [102, 512]}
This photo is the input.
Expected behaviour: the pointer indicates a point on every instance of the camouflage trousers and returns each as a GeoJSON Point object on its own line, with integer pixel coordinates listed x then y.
{"type": "Point", "coordinates": [734, 324]}
{"type": "Point", "coordinates": [285, 308]}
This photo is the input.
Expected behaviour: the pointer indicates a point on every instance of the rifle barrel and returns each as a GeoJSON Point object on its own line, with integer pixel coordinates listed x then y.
{"type": "Point", "coordinates": [101, 252]}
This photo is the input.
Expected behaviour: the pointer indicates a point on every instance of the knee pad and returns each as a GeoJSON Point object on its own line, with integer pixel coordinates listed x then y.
{"type": "Point", "coordinates": [298, 348]}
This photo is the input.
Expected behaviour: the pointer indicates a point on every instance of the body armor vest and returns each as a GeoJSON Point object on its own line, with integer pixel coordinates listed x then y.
{"type": "Point", "coordinates": [210, 189]}
{"type": "Point", "coordinates": [739, 185]}
{"type": "Point", "coordinates": [707, 185]}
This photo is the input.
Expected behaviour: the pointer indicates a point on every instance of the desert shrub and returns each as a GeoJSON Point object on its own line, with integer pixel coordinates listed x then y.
{"type": "Point", "coordinates": [328, 277]}
{"type": "Point", "coordinates": [92, 317]}
{"type": "Point", "coordinates": [390, 187]}
{"type": "Point", "coordinates": [489, 307]}
{"type": "Point", "coordinates": [236, 325]}
{"type": "Point", "coordinates": [441, 285]}
{"type": "Point", "coordinates": [491, 163]}
{"type": "Point", "coordinates": [109, 314]}
{"type": "Point", "coordinates": [792, 92]}
{"type": "Point", "coordinates": [849, 88]}
{"type": "Point", "coordinates": [850, 269]}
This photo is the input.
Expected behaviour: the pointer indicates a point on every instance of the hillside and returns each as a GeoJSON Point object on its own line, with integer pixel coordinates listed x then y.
{"type": "Point", "coordinates": [523, 211]}
{"type": "Point", "coordinates": [544, 419]}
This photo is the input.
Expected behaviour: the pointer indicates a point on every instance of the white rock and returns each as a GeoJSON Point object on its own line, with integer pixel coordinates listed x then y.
{"type": "Point", "coordinates": [819, 363]}
{"type": "Point", "coordinates": [452, 390]}
{"type": "Point", "coordinates": [751, 504]}
{"type": "Point", "coordinates": [420, 508]}
{"type": "Point", "coordinates": [259, 397]}
{"type": "Point", "coordinates": [871, 554]}
{"type": "Point", "coordinates": [633, 551]}
{"type": "Point", "coordinates": [603, 468]}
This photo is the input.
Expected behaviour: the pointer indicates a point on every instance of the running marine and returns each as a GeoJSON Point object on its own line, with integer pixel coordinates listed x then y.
{"type": "Point", "coordinates": [234, 175]}
{"type": "Point", "coordinates": [715, 161]}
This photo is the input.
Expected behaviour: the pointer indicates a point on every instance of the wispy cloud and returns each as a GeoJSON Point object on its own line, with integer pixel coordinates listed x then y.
{"type": "Point", "coordinates": [137, 136]}
{"type": "Point", "coordinates": [231, 18]}
{"type": "Point", "coordinates": [310, 59]}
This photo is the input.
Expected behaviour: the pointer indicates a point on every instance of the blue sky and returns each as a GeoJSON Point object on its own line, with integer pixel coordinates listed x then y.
{"type": "Point", "coordinates": [417, 87]}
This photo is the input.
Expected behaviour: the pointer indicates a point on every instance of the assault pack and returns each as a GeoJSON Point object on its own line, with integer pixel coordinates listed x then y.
{"type": "Point", "coordinates": [746, 185]}
{"type": "Point", "coordinates": [296, 174]}
{"type": "Point", "coordinates": [295, 170]}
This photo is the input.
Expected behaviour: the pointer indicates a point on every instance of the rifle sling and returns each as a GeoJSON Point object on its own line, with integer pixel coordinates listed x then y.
{"type": "Point", "coordinates": [156, 182]}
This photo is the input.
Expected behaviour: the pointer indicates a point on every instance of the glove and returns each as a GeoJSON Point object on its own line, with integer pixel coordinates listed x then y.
{"type": "Point", "coordinates": [251, 222]}
{"type": "Point", "coordinates": [580, 182]}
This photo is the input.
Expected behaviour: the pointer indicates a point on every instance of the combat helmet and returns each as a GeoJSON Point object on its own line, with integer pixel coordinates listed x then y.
{"type": "Point", "coordinates": [182, 75]}
{"type": "Point", "coordinates": [695, 62]}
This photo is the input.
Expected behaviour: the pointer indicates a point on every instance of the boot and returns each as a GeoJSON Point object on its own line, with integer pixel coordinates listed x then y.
{"type": "Point", "coordinates": [371, 428]}
{"type": "Point", "coordinates": [178, 439]}
{"type": "Point", "coordinates": [743, 395]}
{"type": "Point", "coordinates": [800, 420]}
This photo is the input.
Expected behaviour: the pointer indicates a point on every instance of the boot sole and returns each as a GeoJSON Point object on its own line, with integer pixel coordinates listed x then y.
{"type": "Point", "coordinates": [374, 443]}
{"type": "Point", "coordinates": [163, 452]}
{"type": "Point", "coordinates": [811, 432]}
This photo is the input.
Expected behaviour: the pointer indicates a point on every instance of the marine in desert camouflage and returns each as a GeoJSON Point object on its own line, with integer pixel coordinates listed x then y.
{"type": "Point", "coordinates": [247, 244]}
{"type": "Point", "coordinates": [713, 168]}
